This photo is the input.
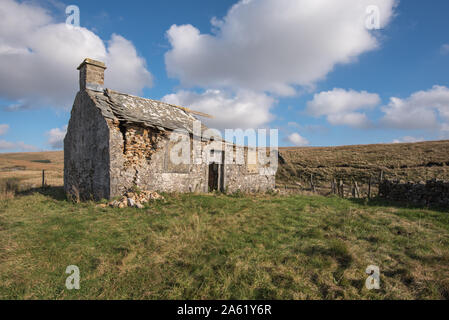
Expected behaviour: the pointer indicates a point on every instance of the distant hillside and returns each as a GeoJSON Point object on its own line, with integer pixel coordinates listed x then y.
{"type": "Point", "coordinates": [408, 162]}
{"type": "Point", "coordinates": [27, 167]}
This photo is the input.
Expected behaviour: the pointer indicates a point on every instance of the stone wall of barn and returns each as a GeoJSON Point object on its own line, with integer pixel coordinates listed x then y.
{"type": "Point", "coordinates": [238, 178]}
{"type": "Point", "coordinates": [86, 152]}
{"type": "Point", "coordinates": [140, 157]}
{"type": "Point", "coordinates": [247, 177]}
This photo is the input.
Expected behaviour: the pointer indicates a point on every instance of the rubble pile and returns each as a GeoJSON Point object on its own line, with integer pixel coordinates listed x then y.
{"type": "Point", "coordinates": [136, 199]}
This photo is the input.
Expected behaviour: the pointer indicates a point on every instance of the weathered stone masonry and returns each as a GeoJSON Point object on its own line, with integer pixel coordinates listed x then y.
{"type": "Point", "coordinates": [430, 193]}
{"type": "Point", "coordinates": [86, 151]}
{"type": "Point", "coordinates": [117, 141]}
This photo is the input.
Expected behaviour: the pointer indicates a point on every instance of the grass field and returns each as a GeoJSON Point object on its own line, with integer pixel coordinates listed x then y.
{"type": "Point", "coordinates": [221, 247]}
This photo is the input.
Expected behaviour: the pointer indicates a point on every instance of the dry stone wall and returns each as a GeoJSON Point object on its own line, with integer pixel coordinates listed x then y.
{"type": "Point", "coordinates": [430, 193]}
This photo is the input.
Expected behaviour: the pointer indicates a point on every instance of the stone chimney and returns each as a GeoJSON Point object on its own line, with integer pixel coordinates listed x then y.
{"type": "Point", "coordinates": [92, 75]}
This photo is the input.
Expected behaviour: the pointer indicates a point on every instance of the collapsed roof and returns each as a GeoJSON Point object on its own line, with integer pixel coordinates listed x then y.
{"type": "Point", "coordinates": [130, 109]}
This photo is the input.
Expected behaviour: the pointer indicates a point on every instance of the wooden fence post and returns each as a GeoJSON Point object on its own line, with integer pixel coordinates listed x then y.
{"type": "Point", "coordinates": [312, 186]}
{"type": "Point", "coordinates": [341, 189]}
{"type": "Point", "coordinates": [357, 190]}
{"type": "Point", "coordinates": [43, 179]}
{"type": "Point", "coordinates": [369, 187]}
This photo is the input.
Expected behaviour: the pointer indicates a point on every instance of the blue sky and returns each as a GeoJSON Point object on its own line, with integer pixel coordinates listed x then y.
{"type": "Point", "coordinates": [308, 86]}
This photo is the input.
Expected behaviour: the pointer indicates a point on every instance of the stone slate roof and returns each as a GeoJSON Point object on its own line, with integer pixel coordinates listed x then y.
{"type": "Point", "coordinates": [145, 112]}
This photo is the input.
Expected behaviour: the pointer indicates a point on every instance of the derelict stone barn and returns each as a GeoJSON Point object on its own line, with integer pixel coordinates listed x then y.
{"type": "Point", "coordinates": [116, 142]}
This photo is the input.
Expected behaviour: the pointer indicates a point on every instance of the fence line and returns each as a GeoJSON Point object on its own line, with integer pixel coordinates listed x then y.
{"type": "Point", "coordinates": [343, 187]}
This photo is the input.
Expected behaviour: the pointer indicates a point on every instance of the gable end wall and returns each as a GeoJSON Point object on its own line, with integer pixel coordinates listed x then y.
{"type": "Point", "coordinates": [86, 152]}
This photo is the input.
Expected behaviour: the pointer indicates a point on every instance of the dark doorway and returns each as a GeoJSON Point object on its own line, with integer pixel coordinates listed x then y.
{"type": "Point", "coordinates": [214, 175]}
{"type": "Point", "coordinates": [216, 178]}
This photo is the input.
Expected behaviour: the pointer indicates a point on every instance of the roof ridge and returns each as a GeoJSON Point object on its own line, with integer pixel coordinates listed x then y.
{"type": "Point", "coordinates": [107, 91]}
{"type": "Point", "coordinates": [186, 110]}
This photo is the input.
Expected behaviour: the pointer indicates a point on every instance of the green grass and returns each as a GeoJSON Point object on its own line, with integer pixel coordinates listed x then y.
{"type": "Point", "coordinates": [222, 247]}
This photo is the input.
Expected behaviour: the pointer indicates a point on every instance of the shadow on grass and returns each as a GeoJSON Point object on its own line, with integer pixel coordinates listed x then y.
{"type": "Point", "coordinates": [57, 193]}
{"type": "Point", "coordinates": [379, 202]}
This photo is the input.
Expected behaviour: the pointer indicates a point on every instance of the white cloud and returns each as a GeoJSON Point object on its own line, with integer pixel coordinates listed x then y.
{"type": "Point", "coordinates": [297, 140]}
{"type": "Point", "coordinates": [17, 146]}
{"type": "Point", "coordinates": [3, 129]}
{"type": "Point", "coordinates": [126, 71]}
{"type": "Point", "coordinates": [243, 110]}
{"type": "Point", "coordinates": [354, 119]}
{"type": "Point", "coordinates": [408, 139]}
{"type": "Point", "coordinates": [419, 111]}
{"type": "Point", "coordinates": [38, 58]}
{"type": "Point", "coordinates": [274, 45]}
{"type": "Point", "coordinates": [444, 49]}
{"type": "Point", "coordinates": [56, 137]}
{"type": "Point", "coordinates": [340, 106]}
